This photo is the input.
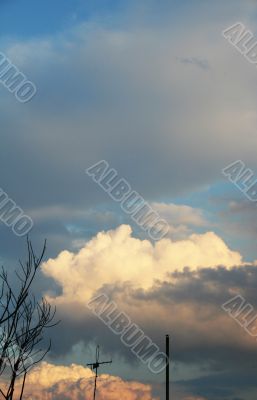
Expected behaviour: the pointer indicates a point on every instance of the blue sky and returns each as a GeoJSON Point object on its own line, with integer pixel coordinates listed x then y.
{"type": "Point", "coordinates": [29, 18]}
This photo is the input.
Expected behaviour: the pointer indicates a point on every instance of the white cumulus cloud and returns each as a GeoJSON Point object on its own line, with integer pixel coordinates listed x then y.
{"type": "Point", "coordinates": [116, 256]}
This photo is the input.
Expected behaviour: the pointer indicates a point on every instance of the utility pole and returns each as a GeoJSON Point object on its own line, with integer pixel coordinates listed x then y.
{"type": "Point", "coordinates": [168, 367]}
{"type": "Point", "coordinates": [95, 366]}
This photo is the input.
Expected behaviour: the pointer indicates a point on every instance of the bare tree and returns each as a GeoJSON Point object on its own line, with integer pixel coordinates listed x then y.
{"type": "Point", "coordinates": [23, 321]}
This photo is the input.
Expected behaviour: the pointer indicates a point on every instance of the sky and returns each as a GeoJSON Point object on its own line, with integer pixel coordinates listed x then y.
{"type": "Point", "coordinates": [155, 90]}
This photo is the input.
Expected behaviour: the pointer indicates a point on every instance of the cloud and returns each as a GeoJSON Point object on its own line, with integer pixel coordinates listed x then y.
{"type": "Point", "coordinates": [181, 284]}
{"type": "Point", "coordinates": [130, 101]}
{"type": "Point", "coordinates": [181, 214]}
{"type": "Point", "coordinates": [203, 64]}
{"type": "Point", "coordinates": [117, 257]}
{"type": "Point", "coordinates": [187, 304]}
{"type": "Point", "coordinates": [127, 95]}
{"type": "Point", "coordinates": [181, 218]}
{"type": "Point", "coordinates": [150, 282]}
{"type": "Point", "coordinates": [75, 382]}
{"type": "Point", "coordinates": [194, 398]}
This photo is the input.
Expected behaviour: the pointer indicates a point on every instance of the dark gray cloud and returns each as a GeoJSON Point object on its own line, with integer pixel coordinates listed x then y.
{"type": "Point", "coordinates": [116, 94]}
{"type": "Point", "coordinates": [224, 385]}
{"type": "Point", "coordinates": [188, 305]}
{"type": "Point", "coordinates": [201, 294]}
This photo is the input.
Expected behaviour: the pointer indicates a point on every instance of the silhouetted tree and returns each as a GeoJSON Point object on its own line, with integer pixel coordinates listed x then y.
{"type": "Point", "coordinates": [23, 321]}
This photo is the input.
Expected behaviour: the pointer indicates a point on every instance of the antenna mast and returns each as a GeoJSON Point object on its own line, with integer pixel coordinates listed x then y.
{"type": "Point", "coordinates": [95, 366]}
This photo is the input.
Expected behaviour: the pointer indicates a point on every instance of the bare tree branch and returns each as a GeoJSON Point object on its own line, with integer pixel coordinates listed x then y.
{"type": "Point", "coordinates": [23, 321]}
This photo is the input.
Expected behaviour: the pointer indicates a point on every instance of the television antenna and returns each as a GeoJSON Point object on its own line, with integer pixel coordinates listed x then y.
{"type": "Point", "coordinates": [96, 365]}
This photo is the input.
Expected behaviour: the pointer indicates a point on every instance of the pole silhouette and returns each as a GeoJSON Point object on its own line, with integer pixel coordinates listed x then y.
{"type": "Point", "coordinates": [95, 366]}
{"type": "Point", "coordinates": [167, 367]}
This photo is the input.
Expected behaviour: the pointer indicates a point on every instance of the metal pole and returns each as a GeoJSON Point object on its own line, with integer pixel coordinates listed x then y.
{"type": "Point", "coordinates": [95, 366]}
{"type": "Point", "coordinates": [95, 383]}
{"type": "Point", "coordinates": [168, 367]}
